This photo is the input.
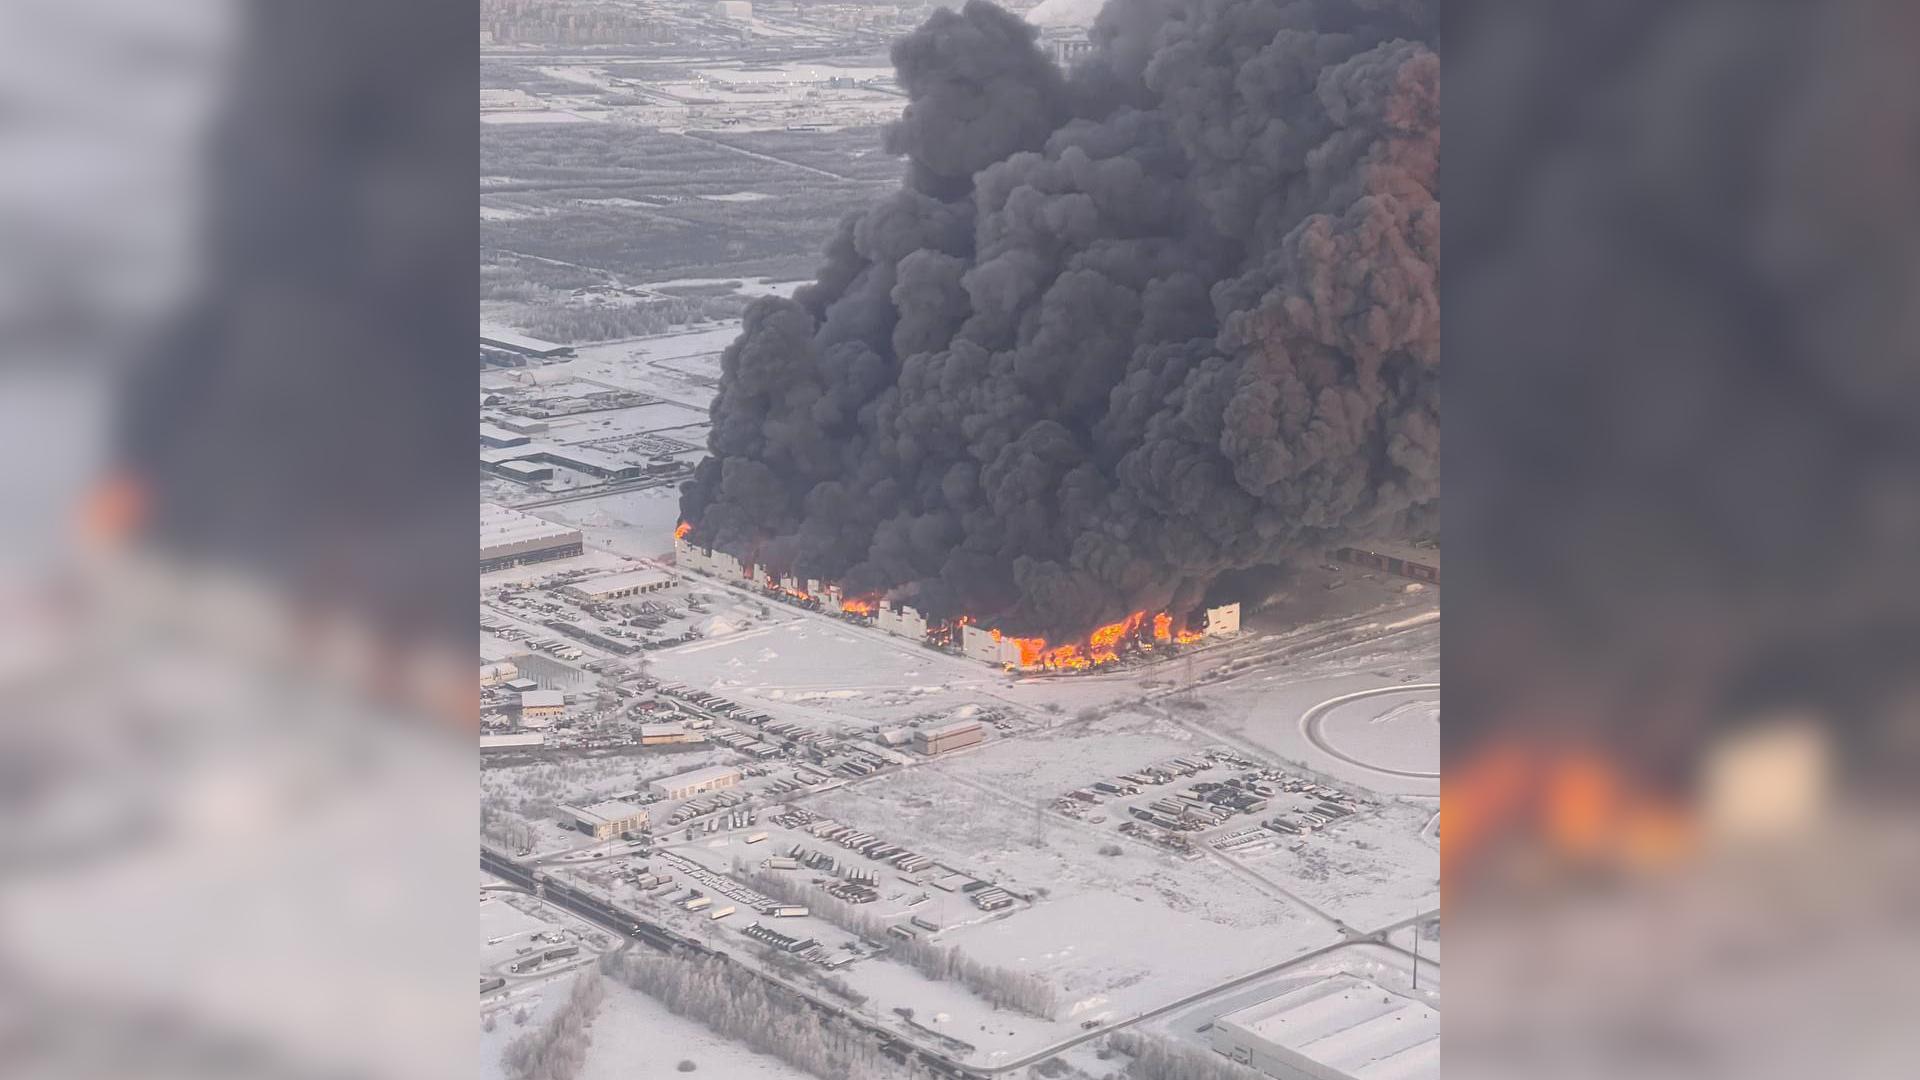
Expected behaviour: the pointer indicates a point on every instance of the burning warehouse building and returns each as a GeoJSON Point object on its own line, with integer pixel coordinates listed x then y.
{"type": "Point", "coordinates": [1112, 338]}
{"type": "Point", "coordinates": [1138, 633]}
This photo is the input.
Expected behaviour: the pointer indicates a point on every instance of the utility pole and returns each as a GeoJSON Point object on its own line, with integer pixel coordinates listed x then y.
{"type": "Point", "coordinates": [1416, 952]}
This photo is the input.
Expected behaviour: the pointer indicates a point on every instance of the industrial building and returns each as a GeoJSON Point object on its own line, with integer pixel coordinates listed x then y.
{"type": "Point", "coordinates": [524, 471]}
{"type": "Point", "coordinates": [698, 782]}
{"type": "Point", "coordinates": [939, 740]}
{"type": "Point", "coordinates": [496, 436]}
{"type": "Point", "coordinates": [1338, 1028]}
{"type": "Point", "coordinates": [706, 561]}
{"type": "Point", "coordinates": [521, 740]}
{"type": "Point", "coordinates": [663, 734]}
{"type": "Point", "coordinates": [520, 424]}
{"type": "Point", "coordinates": [609, 819]}
{"type": "Point", "coordinates": [510, 538]}
{"type": "Point", "coordinates": [523, 345]}
{"type": "Point", "coordinates": [615, 586]}
{"type": "Point", "coordinates": [498, 672]}
{"type": "Point", "coordinates": [583, 459]}
{"type": "Point", "coordinates": [539, 704]}
{"type": "Point", "coordinates": [1419, 562]}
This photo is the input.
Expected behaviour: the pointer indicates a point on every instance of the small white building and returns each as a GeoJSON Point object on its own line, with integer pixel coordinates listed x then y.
{"type": "Point", "coordinates": [1223, 620]}
{"type": "Point", "coordinates": [697, 782]}
{"type": "Point", "coordinates": [542, 705]}
{"type": "Point", "coordinates": [519, 740]}
{"type": "Point", "coordinates": [939, 740]}
{"type": "Point", "coordinates": [498, 672]}
{"type": "Point", "coordinates": [737, 10]}
{"type": "Point", "coordinates": [605, 820]}
{"type": "Point", "coordinates": [617, 586]}
{"type": "Point", "coordinates": [664, 734]}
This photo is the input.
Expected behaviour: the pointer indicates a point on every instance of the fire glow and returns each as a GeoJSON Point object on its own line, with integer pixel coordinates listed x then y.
{"type": "Point", "coordinates": [1140, 632]}
{"type": "Point", "coordinates": [1105, 644]}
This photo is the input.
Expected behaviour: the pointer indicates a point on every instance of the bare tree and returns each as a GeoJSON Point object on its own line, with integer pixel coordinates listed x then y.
{"type": "Point", "coordinates": [558, 1049]}
{"type": "Point", "coordinates": [1155, 1058]}
{"type": "Point", "coordinates": [1002, 987]}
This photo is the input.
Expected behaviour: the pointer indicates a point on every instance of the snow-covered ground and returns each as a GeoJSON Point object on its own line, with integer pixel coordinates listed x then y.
{"type": "Point", "coordinates": [637, 1038]}
{"type": "Point", "coordinates": [1116, 933]}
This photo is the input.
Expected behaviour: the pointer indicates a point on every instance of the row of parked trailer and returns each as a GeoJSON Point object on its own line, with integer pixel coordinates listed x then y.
{"type": "Point", "coordinates": [719, 883]}
{"type": "Point", "coordinates": [1318, 816]}
{"type": "Point", "coordinates": [987, 896]}
{"type": "Point", "coordinates": [857, 762]}
{"type": "Point", "coordinates": [746, 744]}
{"type": "Point", "coordinates": [767, 935]}
{"type": "Point", "coordinates": [528, 963]}
{"type": "Point", "coordinates": [707, 804]}
{"type": "Point", "coordinates": [869, 845]}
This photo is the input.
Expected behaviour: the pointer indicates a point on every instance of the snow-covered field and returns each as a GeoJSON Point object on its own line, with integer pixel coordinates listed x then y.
{"type": "Point", "coordinates": [1114, 932]}
{"type": "Point", "coordinates": [637, 1038]}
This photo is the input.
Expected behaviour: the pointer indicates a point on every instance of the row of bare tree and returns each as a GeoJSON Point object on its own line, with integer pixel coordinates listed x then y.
{"type": "Point", "coordinates": [1002, 987]}
{"type": "Point", "coordinates": [557, 1049]}
{"type": "Point", "coordinates": [740, 1006]}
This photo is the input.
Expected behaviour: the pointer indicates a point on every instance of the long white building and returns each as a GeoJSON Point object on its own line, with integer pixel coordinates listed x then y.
{"type": "Point", "coordinates": [697, 782]}
{"type": "Point", "coordinates": [1341, 1027]}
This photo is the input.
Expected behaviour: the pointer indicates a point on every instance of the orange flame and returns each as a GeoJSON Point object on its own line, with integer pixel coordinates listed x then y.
{"type": "Point", "coordinates": [1031, 649]}
{"type": "Point", "coordinates": [681, 530]}
{"type": "Point", "coordinates": [1574, 802]}
{"type": "Point", "coordinates": [857, 606]}
{"type": "Point", "coordinates": [1163, 627]}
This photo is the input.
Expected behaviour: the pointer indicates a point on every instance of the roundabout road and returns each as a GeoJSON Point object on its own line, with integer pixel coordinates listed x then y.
{"type": "Point", "coordinates": [1311, 720]}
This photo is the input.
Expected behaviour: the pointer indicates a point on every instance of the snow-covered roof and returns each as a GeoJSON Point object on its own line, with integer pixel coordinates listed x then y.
{"type": "Point", "coordinates": [1350, 1025]}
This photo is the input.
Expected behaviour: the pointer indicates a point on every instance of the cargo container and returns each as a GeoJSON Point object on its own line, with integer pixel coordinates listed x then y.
{"type": "Point", "coordinates": [563, 953]}
{"type": "Point", "coordinates": [721, 912]}
{"type": "Point", "coordinates": [756, 838]}
{"type": "Point", "coordinates": [782, 863]}
{"type": "Point", "coordinates": [787, 911]}
{"type": "Point", "coordinates": [697, 903]}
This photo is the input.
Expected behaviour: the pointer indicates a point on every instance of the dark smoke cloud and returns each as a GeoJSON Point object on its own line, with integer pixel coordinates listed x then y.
{"type": "Point", "coordinates": [1122, 330]}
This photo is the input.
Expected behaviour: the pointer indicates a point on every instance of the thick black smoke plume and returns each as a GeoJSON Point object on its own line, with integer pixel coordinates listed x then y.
{"type": "Point", "coordinates": [1121, 330]}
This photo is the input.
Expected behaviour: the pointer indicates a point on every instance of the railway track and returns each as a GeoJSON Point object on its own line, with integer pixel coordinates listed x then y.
{"type": "Point", "coordinates": [634, 928]}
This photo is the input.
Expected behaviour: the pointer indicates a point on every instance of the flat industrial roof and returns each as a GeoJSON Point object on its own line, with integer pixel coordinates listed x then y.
{"type": "Point", "coordinates": [662, 729]}
{"type": "Point", "coordinates": [541, 699]}
{"type": "Point", "coordinates": [624, 580]}
{"type": "Point", "coordinates": [696, 776]}
{"type": "Point", "coordinates": [1352, 1025]}
{"type": "Point", "coordinates": [1426, 554]}
{"type": "Point", "coordinates": [526, 738]}
{"type": "Point", "coordinates": [602, 812]}
{"type": "Point", "coordinates": [955, 728]}
{"type": "Point", "coordinates": [501, 526]}
{"type": "Point", "coordinates": [511, 339]}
